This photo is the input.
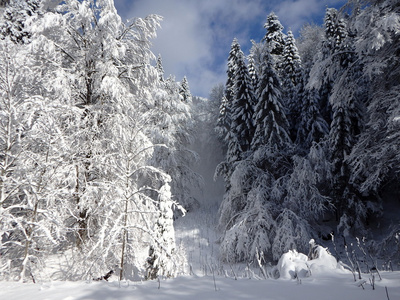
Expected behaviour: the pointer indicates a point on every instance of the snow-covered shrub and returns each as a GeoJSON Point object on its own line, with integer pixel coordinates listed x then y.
{"type": "Point", "coordinates": [293, 264]}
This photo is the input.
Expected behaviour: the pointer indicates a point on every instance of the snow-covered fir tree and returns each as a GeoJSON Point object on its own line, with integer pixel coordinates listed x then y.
{"type": "Point", "coordinates": [225, 119]}
{"type": "Point", "coordinates": [184, 90]}
{"type": "Point", "coordinates": [242, 108]}
{"type": "Point", "coordinates": [270, 118]}
{"type": "Point", "coordinates": [291, 81]}
{"type": "Point", "coordinates": [253, 72]}
{"type": "Point", "coordinates": [274, 37]}
{"type": "Point", "coordinates": [160, 68]}
{"type": "Point", "coordinates": [312, 127]}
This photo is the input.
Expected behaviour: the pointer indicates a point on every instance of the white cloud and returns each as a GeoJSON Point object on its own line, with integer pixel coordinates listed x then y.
{"type": "Point", "coordinates": [293, 14]}
{"type": "Point", "coordinates": [196, 35]}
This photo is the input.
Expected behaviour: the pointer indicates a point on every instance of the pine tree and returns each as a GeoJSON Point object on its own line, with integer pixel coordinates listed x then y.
{"type": "Point", "coordinates": [184, 91]}
{"type": "Point", "coordinates": [312, 126]}
{"type": "Point", "coordinates": [270, 119]}
{"type": "Point", "coordinates": [253, 72]}
{"type": "Point", "coordinates": [160, 68]}
{"type": "Point", "coordinates": [242, 110]}
{"type": "Point", "coordinates": [274, 38]}
{"type": "Point", "coordinates": [233, 58]}
{"type": "Point", "coordinates": [224, 121]}
{"type": "Point", "coordinates": [291, 62]}
{"type": "Point", "coordinates": [223, 125]}
{"type": "Point", "coordinates": [291, 81]}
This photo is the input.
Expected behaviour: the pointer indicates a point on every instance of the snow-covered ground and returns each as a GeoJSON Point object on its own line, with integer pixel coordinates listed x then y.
{"type": "Point", "coordinates": [340, 286]}
{"type": "Point", "coordinates": [210, 279]}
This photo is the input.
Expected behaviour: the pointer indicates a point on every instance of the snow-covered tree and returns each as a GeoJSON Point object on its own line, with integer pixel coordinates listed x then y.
{"type": "Point", "coordinates": [223, 122]}
{"type": "Point", "coordinates": [172, 125]}
{"type": "Point", "coordinates": [373, 159]}
{"type": "Point", "coordinates": [225, 110]}
{"type": "Point", "coordinates": [274, 37]}
{"type": "Point", "coordinates": [309, 43]}
{"type": "Point", "coordinates": [30, 139]}
{"type": "Point", "coordinates": [17, 15]}
{"type": "Point", "coordinates": [304, 195]}
{"type": "Point", "coordinates": [270, 119]}
{"type": "Point", "coordinates": [160, 68]}
{"type": "Point", "coordinates": [312, 127]}
{"type": "Point", "coordinates": [242, 107]}
{"type": "Point", "coordinates": [233, 57]}
{"type": "Point", "coordinates": [103, 72]}
{"type": "Point", "coordinates": [291, 81]}
{"type": "Point", "coordinates": [184, 90]}
{"type": "Point", "coordinates": [253, 72]}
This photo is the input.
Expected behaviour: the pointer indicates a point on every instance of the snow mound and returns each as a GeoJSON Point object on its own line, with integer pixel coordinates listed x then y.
{"type": "Point", "coordinates": [293, 265]}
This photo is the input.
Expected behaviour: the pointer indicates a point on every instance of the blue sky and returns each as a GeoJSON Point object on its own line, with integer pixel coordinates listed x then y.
{"type": "Point", "coordinates": [196, 35]}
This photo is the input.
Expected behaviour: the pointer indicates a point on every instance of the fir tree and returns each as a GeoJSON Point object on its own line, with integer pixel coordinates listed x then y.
{"type": "Point", "coordinates": [184, 91]}
{"type": "Point", "coordinates": [312, 126]}
{"type": "Point", "coordinates": [160, 68]}
{"type": "Point", "coordinates": [224, 121]}
{"type": "Point", "coordinates": [223, 125]}
{"type": "Point", "coordinates": [270, 119]}
{"type": "Point", "coordinates": [242, 109]}
{"type": "Point", "coordinates": [253, 72]}
{"type": "Point", "coordinates": [233, 58]}
{"type": "Point", "coordinates": [274, 38]}
{"type": "Point", "coordinates": [291, 81]}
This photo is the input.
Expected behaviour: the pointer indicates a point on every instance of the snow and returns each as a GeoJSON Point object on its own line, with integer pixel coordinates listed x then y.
{"type": "Point", "coordinates": [206, 277]}
{"type": "Point", "coordinates": [192, 287]}
{"type": "Point", "coordinates": [196, 233]}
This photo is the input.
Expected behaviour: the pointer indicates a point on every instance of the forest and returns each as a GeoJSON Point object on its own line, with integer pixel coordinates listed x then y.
{"type": "Point", "coordinates": [96, 143]}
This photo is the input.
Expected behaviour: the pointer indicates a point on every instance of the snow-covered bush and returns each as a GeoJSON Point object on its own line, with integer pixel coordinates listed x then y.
{"type": "Point", "coordinates": [293, 264]}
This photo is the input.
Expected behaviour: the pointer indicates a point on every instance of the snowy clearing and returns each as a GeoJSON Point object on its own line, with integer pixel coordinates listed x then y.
{"type": "Point", "coordinates": [189, 287]}
{"type": "Point", "coordinates": [195, 232]}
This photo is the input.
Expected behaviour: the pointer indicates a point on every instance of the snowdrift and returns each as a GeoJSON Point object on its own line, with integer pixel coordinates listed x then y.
{"type": "Point", "coordinates": [294, 265]}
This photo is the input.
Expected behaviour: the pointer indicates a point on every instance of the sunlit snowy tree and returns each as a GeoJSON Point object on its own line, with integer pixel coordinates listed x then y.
{"type": "Point", "coordinates": [270, 119]}
{"type": "Point", "coordinates": [103, 72]}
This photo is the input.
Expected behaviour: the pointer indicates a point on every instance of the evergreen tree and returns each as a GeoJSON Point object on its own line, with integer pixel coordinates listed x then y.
{"type": "Point", "coordinates": [291, 81]}
{"type": "Point", "coordinates": [270, 119]}
{"type": "Point", "coordinates": [274, 38]}
{"type": "Point", "coordinates": [242, 110]}
{"type": "Point", "coordinates": [253, 72]}
{"type": "Point", "coordinates": [223, 122]}
{"type": "Point", "coordinates": [184, 91]}
{"type": "Point", "coordinates": [312, 126]}
{"type": "Point", "coordinates": [291, 62]}
{"type": "Point", "coordinates": [160, 68]}
{"type": "Point", "coordinates": [223, 125]}
{"type": "Point", "coordinates": [233, 58]}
